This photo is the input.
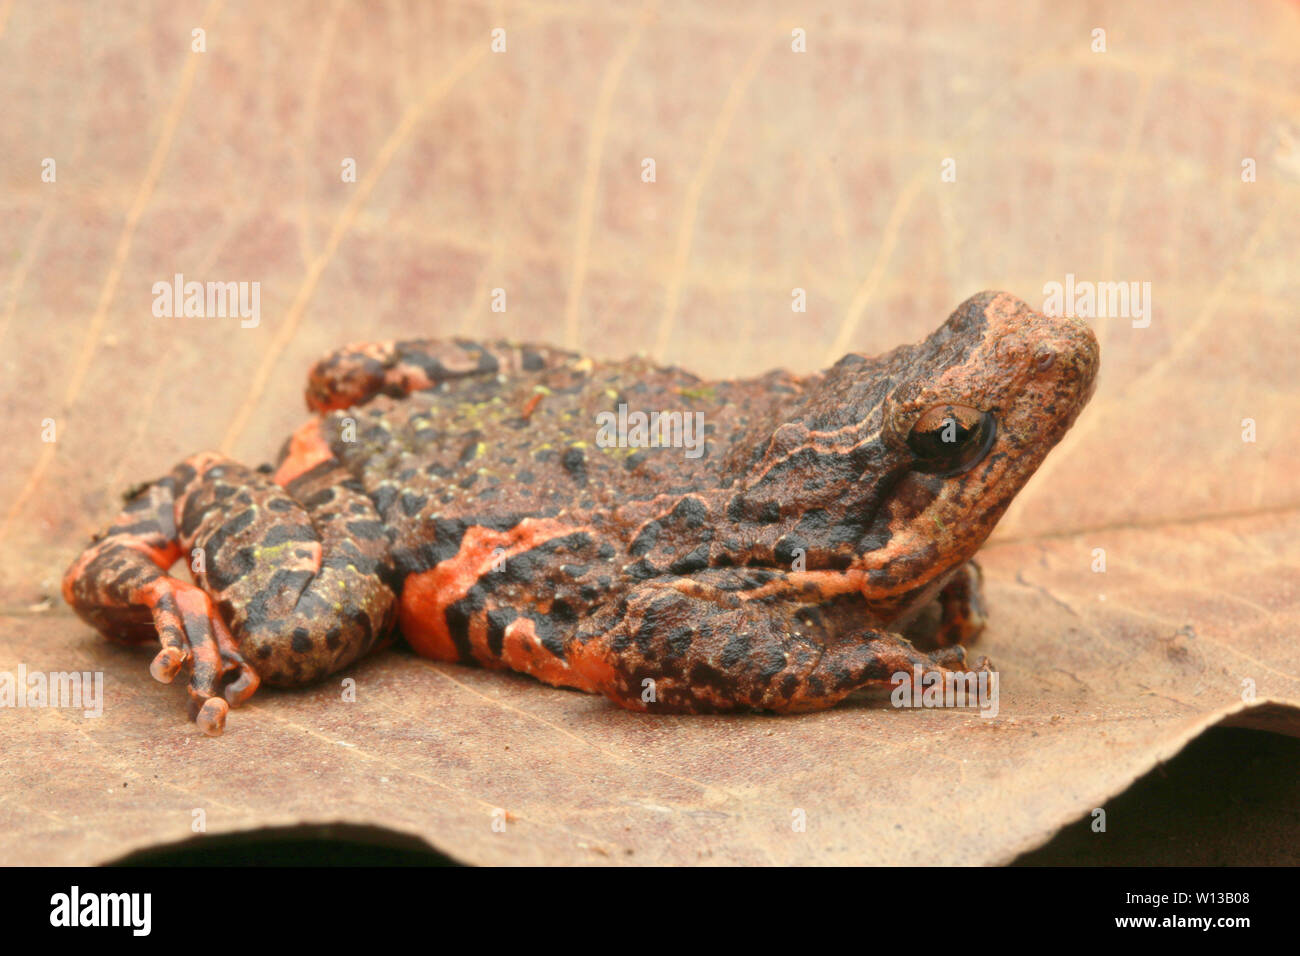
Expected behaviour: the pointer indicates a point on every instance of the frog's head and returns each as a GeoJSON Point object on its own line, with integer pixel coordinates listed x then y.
{"type": "Point", "coordinates": [901, 465]}
{"type": "Point", "coordinates": [982, 402]}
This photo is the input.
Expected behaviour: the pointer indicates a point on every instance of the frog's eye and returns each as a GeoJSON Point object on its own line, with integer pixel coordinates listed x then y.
{"type": "Point", "coordinates": [948, 439]}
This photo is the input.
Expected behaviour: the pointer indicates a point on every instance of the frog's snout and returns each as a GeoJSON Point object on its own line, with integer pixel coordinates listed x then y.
{"type": "Point", "coordinates": [1069, 351]}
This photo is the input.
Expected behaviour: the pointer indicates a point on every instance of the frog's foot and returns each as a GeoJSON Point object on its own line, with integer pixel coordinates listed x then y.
{"type": "Point", "coordinates": [962, 614]}
{"type": "Point", "coordinates": [355, 373]}
{"type": "Point", "coordinates": [193, 635]}
{"type": "Point", "coordinates": [720, 641]}
{"type": "Point", "coordinates": [954, 658]}
{"type": "Point", "coordinates": [119, 585]}
{"type": "Point", "coordinates": [289, 582]}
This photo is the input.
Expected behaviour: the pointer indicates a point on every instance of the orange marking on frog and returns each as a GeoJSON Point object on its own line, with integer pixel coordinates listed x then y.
{"type": "Point", "coordinates": [422, 608]}
{"type": "Point", "coordinates": [307, 449]}
{"type": "Point", "coordinates": [591, 664]}
{"type": "Point", "coordinates": [408, 378]}
{"type": "Point", "coordinates": [522, 650]}
{"type": "Point", "coordinates": [164, 557]}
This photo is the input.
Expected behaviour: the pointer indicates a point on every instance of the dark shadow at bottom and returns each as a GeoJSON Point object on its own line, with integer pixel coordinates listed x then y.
{"type": "Point", "coordinates": [1230, 798]}
{"type": "Point", "coordinates": [337, 844]}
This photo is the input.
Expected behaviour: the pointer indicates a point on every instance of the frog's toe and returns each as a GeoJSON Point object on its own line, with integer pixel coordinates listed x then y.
{"type": "Point", "coordinates": [211, 716]}
{"type": "Point", "coordinates": [166, 664]}
{"type": "Point", "coordinates": [953, 657]}
{"type": "Point", "coordinates": [237, 675]}
{"type": "Point", "coordinates": [243, 686]}
{"type": "Point", "coordinates": [193, 634]}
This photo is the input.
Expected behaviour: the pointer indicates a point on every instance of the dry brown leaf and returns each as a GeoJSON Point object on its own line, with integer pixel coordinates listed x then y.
{"type": "Point", "coordinates": [775, 170]}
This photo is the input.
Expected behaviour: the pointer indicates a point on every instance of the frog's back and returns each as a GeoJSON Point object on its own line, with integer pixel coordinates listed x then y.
{"type": "Point", "coordinates": [582, 441]}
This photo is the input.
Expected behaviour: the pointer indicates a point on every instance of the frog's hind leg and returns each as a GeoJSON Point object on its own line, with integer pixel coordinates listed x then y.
{"type": "Point", "coordinates": [120, 586]}
{"type": "Point", "coordinates": [355, 373]}
{"type": "Point", "coordinates": [290, 581]}
{"type": "Point", "coordinates": [739, 639]}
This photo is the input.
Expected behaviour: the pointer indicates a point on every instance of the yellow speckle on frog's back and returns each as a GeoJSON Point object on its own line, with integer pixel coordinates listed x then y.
{"type": "Point", "coordinates": [698, 393]}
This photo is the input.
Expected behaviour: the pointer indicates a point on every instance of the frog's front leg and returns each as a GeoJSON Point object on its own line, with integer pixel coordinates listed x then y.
{"type": "Point", "coordinates": [961, 607]}
{"type": "Point", "coordinates": [956, 615]}
{"type": "Point", "coordinates": [289, 585]}
{"type": "Point", "coordinates": [355, 373]}
{"type": "Point", "coordinates": [742, 638]}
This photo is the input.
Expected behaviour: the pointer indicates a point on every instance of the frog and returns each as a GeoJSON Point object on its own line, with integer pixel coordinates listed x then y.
{"type": "Point", "coordinates": [460, 496]}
